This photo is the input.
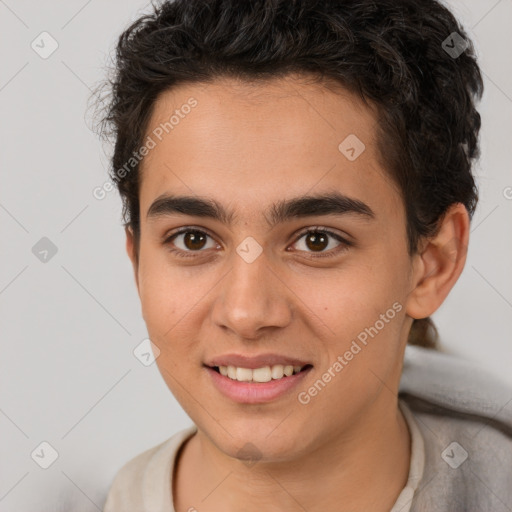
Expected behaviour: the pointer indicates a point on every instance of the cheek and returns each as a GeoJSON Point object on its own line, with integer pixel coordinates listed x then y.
{"type": "Point", "coordinates": [163, 289]}
{"type": "Point", "coordinates": [172, 302]}
{"type": "Point", "coordinates": [363, 304]}
{"type": "Point", "coordinates": [164, 299]}
{"type": "Point", "coordinates": [354, 296]}
{"type": "Point", "coordinates": [364, 312]}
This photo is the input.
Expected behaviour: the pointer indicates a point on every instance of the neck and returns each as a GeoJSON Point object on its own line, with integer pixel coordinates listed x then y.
{"type": "Point", "coordinates": [364, 469]}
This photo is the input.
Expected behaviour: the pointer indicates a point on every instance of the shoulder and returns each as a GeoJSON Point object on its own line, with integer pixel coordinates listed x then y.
{"type": "Point", "coordinates": [468, 463]}
{"type": "Point", "coordinates": [465, 416]}
{"type": "Point", "coordinates": [150, 471]}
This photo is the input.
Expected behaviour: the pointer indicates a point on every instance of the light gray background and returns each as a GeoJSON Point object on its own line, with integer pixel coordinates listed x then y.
{"type": "Point", "coordinates": [69, 326]}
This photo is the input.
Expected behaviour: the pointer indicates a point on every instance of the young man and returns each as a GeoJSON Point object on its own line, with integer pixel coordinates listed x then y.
{"type": "Point", "coordinates": [297, 188]}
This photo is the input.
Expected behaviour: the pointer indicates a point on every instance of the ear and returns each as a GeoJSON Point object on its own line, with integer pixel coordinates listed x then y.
{"type": "Point", "coordinates": [439, 263]}
{"type": "Point", "coordinates": [132, 251]}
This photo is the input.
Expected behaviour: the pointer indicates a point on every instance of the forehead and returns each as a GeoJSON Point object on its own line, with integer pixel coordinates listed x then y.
{"type": "Point", "coordinates": [292, 105]}
{"type": "Point", "coordinates": [261, 141]}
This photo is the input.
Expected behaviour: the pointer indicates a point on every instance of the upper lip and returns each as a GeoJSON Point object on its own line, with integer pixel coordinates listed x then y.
{"type": "Point", "coordinates": [252, 362]}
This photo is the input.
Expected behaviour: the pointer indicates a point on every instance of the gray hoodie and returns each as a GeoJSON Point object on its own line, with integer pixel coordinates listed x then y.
{"type": "Point", "coordinates": [465, 417]}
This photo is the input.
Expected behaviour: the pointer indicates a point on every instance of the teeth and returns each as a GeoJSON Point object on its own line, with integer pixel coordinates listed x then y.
{"type": "Point", "coordinates": [277, 371]}
{"type": "Point", "coordinates": [263, 374]}
{"type": "Point", "coordinates": [243, 374]}
{"type": "Point", "coordinates": [231, 372]}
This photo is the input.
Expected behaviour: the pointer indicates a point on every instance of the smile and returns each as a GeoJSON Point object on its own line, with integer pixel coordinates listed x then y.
{"type": "Point", "coordinates": [257, 385]}
{"type": "Point", "coordinates": [263, 374]}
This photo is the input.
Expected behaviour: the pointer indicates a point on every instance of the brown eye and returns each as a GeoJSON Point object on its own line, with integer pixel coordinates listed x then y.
{"type": "Point", "coordinates": [187, 241]}
{"type": "Point", "coordinates": [194, 240]}
{"type": "Point", "coordinates": [318, 240]}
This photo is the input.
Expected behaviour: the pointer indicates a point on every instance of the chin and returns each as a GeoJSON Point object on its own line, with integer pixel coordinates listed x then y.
{"type": "Point", "coordinates": [251, 443]}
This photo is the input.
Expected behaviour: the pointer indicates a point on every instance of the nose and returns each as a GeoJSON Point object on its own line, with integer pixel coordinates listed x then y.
{"type": "Point", "coordinates": [252, 299]}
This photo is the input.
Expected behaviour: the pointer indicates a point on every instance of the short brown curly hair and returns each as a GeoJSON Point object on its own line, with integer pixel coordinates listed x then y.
{"type": "Point", "coordinates": [393, 53]}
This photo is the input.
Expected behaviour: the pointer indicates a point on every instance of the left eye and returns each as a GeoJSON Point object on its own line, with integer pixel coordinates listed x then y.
{"type": "Point", "coordinates": [318, 239]}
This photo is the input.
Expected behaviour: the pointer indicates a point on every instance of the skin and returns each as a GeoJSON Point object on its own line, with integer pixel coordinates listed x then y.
{"type": "Point", "coordinates": [247, 147]}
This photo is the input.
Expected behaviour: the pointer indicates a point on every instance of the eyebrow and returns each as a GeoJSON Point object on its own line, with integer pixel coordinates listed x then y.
{"type": "Point", "coordinates": [303, 206]}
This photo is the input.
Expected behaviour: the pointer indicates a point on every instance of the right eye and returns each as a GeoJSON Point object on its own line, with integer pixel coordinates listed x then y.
{"type": "Point", "coordinates": [192, 240]}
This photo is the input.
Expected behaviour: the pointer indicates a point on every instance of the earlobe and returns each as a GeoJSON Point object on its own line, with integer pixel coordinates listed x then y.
{"type": "Point", "coordinates": [440, 263]}
{"type": "Point", "coordinates": [131, 250]}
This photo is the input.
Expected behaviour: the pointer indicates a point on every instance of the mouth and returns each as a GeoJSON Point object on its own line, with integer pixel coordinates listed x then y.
{"type": "Point", "coordinates": [260, 375]}
{"type": "Point", "coordinates": [257, 385]}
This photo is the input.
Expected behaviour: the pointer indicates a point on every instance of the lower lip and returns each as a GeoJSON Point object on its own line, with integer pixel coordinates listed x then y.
{"type": "Point", "coordinates": [255, 392]}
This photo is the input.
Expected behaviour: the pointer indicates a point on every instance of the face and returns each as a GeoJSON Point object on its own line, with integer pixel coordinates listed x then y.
{"type": "Point", "coordinates": [291, 250]}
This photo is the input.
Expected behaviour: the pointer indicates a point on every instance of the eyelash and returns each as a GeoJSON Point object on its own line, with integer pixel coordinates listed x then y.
{"type": "Point", "coordinates": [345, 244]}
